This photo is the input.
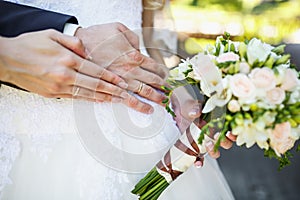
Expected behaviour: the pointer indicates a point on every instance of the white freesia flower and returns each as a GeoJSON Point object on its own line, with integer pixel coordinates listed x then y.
{"type": "Point", "coordinates": [290, 80]}
{"type": "Point", "coordinates": [250, 133]}
{"type": "Point", "coordinates": [234, 106]}
{"type": "Point", "coordinates": [178, 72]}
{"type": "Point", "coordinates": [207, 72]}
{"type": "Point", "coordinates": [244, 68]}
{"type": "Point", "coordinates": [295, 96]}
{"type": "Point", "coordinates": [220, 98]}
{"type": "Point", "coordinates": [257, 50]}
{"type": "Point", "coordinates": [226, 57]}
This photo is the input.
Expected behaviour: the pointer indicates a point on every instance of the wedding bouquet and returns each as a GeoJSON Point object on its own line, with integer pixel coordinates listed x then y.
{"type": "Point", "coordinates": [258, 92]}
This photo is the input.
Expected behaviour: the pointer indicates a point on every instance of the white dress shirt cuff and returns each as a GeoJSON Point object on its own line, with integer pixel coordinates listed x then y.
{"type": "Point", "coordinates": [70, 29]}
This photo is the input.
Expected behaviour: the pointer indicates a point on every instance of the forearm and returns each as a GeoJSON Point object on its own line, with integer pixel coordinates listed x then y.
{"type": "Point", "coordinates": [17, 19]}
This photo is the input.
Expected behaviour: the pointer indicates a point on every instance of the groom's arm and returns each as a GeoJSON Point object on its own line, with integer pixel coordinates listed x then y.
{"type": "Point", "coordinates": [16, 19]}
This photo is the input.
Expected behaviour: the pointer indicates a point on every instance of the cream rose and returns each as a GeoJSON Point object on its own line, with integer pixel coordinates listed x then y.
{"type": "Point", "coordinates": [263, 78]}
{"type": "Point", "coordinates": [290, 80]}
{"type": "Point", "coordinates": [280, 138]}
{"type": "Point", "coordinates": [241, 86]}
{"type": "Point", "coordinates": [275, 96]}
{"type": "Point", "coordinates": [226, 57]}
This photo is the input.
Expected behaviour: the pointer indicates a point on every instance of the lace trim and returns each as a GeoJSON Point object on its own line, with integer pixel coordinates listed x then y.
{"type": "Point", "coordinates": [9, 150]}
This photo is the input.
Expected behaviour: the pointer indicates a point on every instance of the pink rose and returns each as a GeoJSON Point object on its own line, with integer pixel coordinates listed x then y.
{"type": "Point", "coordinates": [229, 56]}
{"type": "Point", "coordinates": [241, 86]}
{"type": "Point", "coordinates": [290, 80]}
{"type": "Point", "coordinates": [280, 138]}
{"type": "Point", "coordinates": [263, 78]}
{"type": "Point", "coordinates": [275, 96]}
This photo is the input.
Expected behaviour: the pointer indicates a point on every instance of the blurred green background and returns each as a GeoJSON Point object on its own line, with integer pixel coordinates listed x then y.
{"type": "Point", "coordinates": [273, 21]}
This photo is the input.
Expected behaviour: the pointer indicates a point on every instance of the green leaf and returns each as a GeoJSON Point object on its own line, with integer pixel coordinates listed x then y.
{"type": "Point", "coordinates": [283, 60]}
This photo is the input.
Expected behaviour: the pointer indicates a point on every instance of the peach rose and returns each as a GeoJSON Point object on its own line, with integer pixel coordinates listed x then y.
{"type": "Point", "coordinates": [263, 78]}
{"type": "Point", "coordinates": [290, 80]}
{"type": "Point", "coordinates": [280, 138]}
{"type": "Point", "coordinates": [275, 96]}
{"type": "Point", "coordinates": [241, 86]}
{"type": "Point", "coordinates": [226, 57]}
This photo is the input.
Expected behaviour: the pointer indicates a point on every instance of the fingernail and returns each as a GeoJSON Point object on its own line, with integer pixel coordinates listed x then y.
{"type": "Point", "coordinates": [116, 100]}
{"type": "Point", "coordinates": [194, 112]}
{"type": "Point", "coordinates": [216, 136]}
{"type": "Point", "coordinates": [124, 95]}
{"type": "Point", "coordinates": [150, 111]}
{"type": "Point", "coordinates": [123, 84]}
{"type": "Point", "coordinates": [228, 134]}
{"type": "Point", "coordinates": [198, 164]}
{"type": "Point", "coordinates": [209, 145]}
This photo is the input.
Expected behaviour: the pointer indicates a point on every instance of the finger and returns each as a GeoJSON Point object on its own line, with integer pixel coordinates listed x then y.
{"type": "Point", "coordinates": [97, 85]}
{"type": "Point", "coordinates": [225, 142]}
{"type": "Point", "coordinates": [230, 136]}
{"type": "Point", "coordinates": [150, 65]}
{"type": "Point", "coordinates": [132, 38]}
{"type": "Point", "coordinates": [146, 77]}
{"type": "Point", "coordinates": [72, 43]}
{"type": "Point", "coordinates": [137, 105]}
{"type": "Point", "coordinates": [210, 149]}
{"type": "Point", "coordinates": [146, 91]}
{"type": "Point", "coordinates": [88, 68]}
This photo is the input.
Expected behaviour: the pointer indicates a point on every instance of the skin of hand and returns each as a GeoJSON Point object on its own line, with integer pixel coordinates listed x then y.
{"type": "Point", "coordinates": [114, 47]}
{"type": "Point", "coordinates": [187, 110]}
{"type": "Point", "coordinates": [53, 65]}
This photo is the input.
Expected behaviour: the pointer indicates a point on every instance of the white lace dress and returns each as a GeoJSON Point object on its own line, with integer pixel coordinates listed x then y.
{"type": "Point", "coordinates": [59, 149]}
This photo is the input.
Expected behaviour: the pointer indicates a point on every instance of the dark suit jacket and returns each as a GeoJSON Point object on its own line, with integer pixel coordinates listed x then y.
{"type": "Point", "coordinates": [16, 19]}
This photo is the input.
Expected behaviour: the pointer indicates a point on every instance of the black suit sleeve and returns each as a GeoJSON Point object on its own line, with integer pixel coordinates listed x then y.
{"type": "Point", "coordinates": [16, 19]}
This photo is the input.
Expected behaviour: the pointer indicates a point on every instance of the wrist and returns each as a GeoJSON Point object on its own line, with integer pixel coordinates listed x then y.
{"type": "Point", "coordinates": [2, 55]}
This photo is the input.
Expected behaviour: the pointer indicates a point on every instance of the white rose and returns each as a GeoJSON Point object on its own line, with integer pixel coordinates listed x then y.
{"type": "Point", "coordinates": [256, 50]}
{"type": "Point", "coordinates": [241, 86]}
{"type": "Point", "coordinates": [226, 57]}
{"type": "Point", "coordinates": [275, 96]}
{"type": "Point", "coordinates": [234, 106]}
{"type": "Point", "coordinates": [263, 78]}
{"type": "Point", "coordinates": [290, 80]}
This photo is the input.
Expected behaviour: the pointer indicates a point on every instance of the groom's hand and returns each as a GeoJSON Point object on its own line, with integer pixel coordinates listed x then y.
{"type": "Point", "coordinates": [115, 47]}
{"type": "Point", "coordinates": [54, 65]}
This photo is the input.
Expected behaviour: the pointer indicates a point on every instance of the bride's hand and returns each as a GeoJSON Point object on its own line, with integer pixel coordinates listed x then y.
{"type": "Point", "coordinates": [114, 46]}
{"type": "Point", "coordinates": [54, 65]}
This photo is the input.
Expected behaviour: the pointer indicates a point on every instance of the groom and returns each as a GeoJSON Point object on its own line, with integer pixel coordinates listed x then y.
{"type": "Point", "coordinates": [53, 64]}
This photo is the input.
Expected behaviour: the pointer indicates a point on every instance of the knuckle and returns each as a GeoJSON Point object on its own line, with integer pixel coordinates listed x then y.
{"type": "Point", "coordinates": [68, 60]}
{"type": "Point", "coordinates": [133, 102]}
{"type": "Point", "coordinates": [100, 86]}
{"type": "Point", "coordinates": [148, 91]}
{"type": "Point", "coordinates": [54, 88]}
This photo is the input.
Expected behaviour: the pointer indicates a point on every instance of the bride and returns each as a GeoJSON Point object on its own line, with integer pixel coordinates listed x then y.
{"type": "Point", "coordinates": [64, 149]}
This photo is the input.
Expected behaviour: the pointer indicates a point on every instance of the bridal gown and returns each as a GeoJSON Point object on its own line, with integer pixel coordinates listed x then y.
{"type": "Point", "coordinates": [63, 149]}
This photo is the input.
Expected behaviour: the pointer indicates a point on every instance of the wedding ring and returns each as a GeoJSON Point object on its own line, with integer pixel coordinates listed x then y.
{"type": "Point", "coordinates": [76, 92]}
{"type": "Point", "coordinates": [140, 87]}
